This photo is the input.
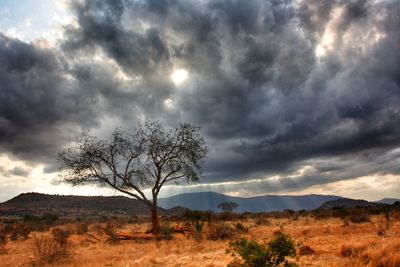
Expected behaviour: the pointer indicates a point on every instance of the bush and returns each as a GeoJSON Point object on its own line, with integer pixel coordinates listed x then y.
{"type": "Point", "coordinates": [32, 218]}
{"type": "Point", "coordinates": [198, 230]}
{"type": "Point", "coordinates": [262, 220]}
{"type": "Point", "coordinates": [24, 231]}
{"type": "Point", "coordinates": [321, 214]}
{"type": "Point", "coordinates": [382, 225]}
{"type": "Point", "coordinates": [3, 239]}
{"type": "Point", "coordinates": [253, 254]}
{"type": "Point", "coordinates": [240, 228]}
{"type": "Point", "coordinates": [395, 215]}
{"type": "Point", "coordinates": [359, 218]}
{"type": "Point", "coordinates": [111, 231]}
{"type": "Point", "coordinates": [18, 230]}
{"type": "Point", "coordinates": [340, 213]}
{"type": "Point", "coordinates": [49, 218]}
{"type": "Point", "coordinates": [166, 231]}
{"type": "Point", "coordinates": [281, 247]}
{"type": "Point", "coordinates": [47, 250]}
{"type": "Point", "coordinates": [81, 228]}
{"type": "Point", "coordinates": [14, 233]}
{"type": "Point", "coordinates": [220, 231]}
{"type": "Point", "coordinates": [39, 224]}
{"type": "Point", "coordinates": [197, 215]}
{"type": "Point", "coordinates": [3, 234]}
{"type": "Point", "coordinates": [197, 219]}
{"type": "Point", "coordinates": [60, 236]}
{"type": "Point", "coordinates": [8, 228]}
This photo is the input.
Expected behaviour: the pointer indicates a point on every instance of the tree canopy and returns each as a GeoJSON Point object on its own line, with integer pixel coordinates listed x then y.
{"type": "Point", "coordinates": [227, 206]}
{"type": "Point", "coordinates": [147, 158]}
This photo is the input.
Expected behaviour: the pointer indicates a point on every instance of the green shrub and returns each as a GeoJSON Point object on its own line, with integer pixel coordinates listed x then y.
{"type": "Point", "coordinates": [166, 231]}
{"type": "Point", "coordinates": [281, 247]}
{"type": "Point", "coordinates": [253, 254]}
{"type": "Point", "coordinates": [49, 218]}
{"type": "Point", "coordinates": [240, 228]}
{"type": "Point", "coordinates": [32, 218]}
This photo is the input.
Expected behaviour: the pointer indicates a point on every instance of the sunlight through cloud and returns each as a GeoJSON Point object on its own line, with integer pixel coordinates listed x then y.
{"type": "Point", "coordinates": [179, 76]}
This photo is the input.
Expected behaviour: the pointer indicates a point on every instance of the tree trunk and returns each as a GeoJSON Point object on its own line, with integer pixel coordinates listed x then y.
{"type": "Point", "coordinates": [155, 221]}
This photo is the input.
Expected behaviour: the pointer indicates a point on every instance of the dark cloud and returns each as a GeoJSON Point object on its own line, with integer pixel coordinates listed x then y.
{"type": "Point", "coordinates": [18, 171]}
{"type": "Point", "coordinates": [100, 26]}
{"type": "Point", "coordinates": [274, 84]}
{"type": "Point", "coordinates": [36, 101]}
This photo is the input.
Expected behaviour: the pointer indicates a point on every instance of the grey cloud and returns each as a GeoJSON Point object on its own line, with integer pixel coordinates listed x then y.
{"type": "Point", "coordinates": [36, 101]}
{"type": "Point", "coordinates": [19, 171]}
{"type": "Point", "coordinates": [100, 26]}
{"type": "Point", "coordinates": [266, 102]}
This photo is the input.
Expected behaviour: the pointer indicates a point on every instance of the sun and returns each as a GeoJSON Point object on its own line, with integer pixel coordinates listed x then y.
{"type": "Point", "coordinates": [178, 76]}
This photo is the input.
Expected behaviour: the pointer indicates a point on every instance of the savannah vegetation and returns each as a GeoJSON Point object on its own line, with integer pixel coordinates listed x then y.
{"type": "Point", "coordinates": [367, 236]}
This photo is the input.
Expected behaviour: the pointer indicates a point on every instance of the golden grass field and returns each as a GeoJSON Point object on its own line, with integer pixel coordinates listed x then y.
{"type": "Point", "coordinates": [335, 243]}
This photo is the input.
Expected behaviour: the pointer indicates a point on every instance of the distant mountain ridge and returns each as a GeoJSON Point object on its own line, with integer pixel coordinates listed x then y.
{"type": "Point", "coordinates": [267, 203]}
{"type": "Point", "coordinates": [36, 203]}
{"type": "Point", "coordinates": [348, 203]}
{"type": "Point", "coordinates": [388, 200]}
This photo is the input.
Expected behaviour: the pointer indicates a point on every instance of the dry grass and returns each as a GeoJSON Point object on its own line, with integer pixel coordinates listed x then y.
{"type": "Point", "coordinates": [377, 254]}
{"type": "Point", "coordinates": [335, 244]}
{"type": "Point", "coordinates": [221, 231]}
{"type": "Point", "coordinates": [48, 250]}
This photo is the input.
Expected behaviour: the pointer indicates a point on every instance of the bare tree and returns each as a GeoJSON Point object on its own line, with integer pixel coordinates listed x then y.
{"type": "Point", "coordinates": [146, 159]}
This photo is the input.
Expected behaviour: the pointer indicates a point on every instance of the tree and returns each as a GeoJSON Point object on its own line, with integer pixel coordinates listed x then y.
{"type": "Point", "coordinates": [148, 158]}
{"type": "Point", "coordinates": [227, 207]}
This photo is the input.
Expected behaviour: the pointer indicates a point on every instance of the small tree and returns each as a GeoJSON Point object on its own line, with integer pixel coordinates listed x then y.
{"type": "Point", "coordinates": [146, 159]}
{"type": "Point", "coordinates": [227, 207]}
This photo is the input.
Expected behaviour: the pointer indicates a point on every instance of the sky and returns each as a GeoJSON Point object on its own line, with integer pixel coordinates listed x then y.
{"type": "Point", "coordinates": [292, 96]}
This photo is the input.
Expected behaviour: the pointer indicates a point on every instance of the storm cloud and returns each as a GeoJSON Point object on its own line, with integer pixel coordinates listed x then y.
{"type": "Point", "coordinates": [277, 86]}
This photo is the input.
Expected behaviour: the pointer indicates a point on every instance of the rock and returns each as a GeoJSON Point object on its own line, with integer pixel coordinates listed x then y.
{"type": "Point", "coordinates": [305, 250]}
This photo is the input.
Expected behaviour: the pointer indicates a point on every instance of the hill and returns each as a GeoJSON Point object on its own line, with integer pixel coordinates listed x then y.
{"type": "Point", "coordinates": [347, 203]}
{"type": "Point", "coordinates": [267, 203]}
{"type": "Point", "coordinates": [36, 204]}
{"type": "Point", "coordinates": [389, 201]}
